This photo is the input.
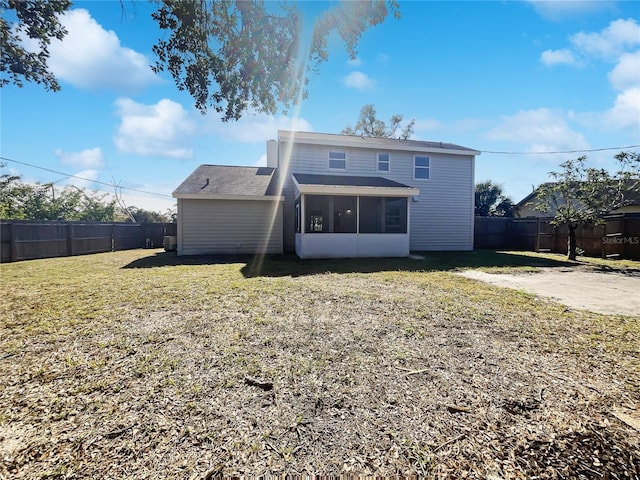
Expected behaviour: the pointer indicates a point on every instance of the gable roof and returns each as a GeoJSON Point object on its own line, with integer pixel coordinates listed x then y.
{"type": "Point", "coordinates": [214, 181]}
{"type": "Point", "coordinates": [331, 139]}
{"type": "Point", "coordinates": [633, 195]}
{"type": "Point", "coordinates": [532, 195]}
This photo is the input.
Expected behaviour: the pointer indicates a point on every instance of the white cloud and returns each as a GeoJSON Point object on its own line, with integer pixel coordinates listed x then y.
{"type": "Point", "coordinates": [83, 179]}
{"type": "Point", "coordinates": [358, 80]}
{"type": "Point", "coordinates": [560, 9]}
{"type": "Point", "coordinates": [617, 43]}
{"type": "Point", "coordinates": [162, 129]}
{"type": "Point", "coordinates": [90, 158]}
{"type": "Point", "coordinates": [257, 128]}
{"type": "Point", "coordinates": [91, 57]}
{"type": "Point", "coordinates": [354, 62]}
{"type": "Point", "coordinates": [620, 36]}
{"type": "Point", "coordinates": [625, 113]}
{"type": "Point", "coordinates": [559, 57]}
{"type": "Point", "coordinates": [541, 130]}
{"type": "Point", "coordinates": [160, 201]}
{"type": "Point", "coordinates": [626, 73]}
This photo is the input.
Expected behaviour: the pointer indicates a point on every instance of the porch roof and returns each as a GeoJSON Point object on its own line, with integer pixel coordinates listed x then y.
{"type": "Point", "coordinates": [351, 185]}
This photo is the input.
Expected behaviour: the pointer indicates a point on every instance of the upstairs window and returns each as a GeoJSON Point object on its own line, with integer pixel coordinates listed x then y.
{"type": "Point", "coordinates": [421, 168]}
{"type": "Point", "coordinates": [338, 160]}
{"type": "Point", "coordinates": [383, 162]}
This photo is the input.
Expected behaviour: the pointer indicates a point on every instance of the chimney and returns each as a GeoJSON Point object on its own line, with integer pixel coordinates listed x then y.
{"type": "Point", "coordinates": [272, 153]}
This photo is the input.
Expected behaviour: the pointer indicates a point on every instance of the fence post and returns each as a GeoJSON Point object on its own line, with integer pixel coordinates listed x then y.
{"type": "Point", "coordinates": [70, 240]}
{"type": "Point", "coordinates": [13, 246]}
{"type": "Point", "coordinates": [625, 245]}
{"type": "Point", "coordinates": [112, 231]}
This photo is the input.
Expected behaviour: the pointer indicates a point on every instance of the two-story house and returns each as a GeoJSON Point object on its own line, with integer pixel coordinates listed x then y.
{"type": "Point", "coordinates": [324, 195]}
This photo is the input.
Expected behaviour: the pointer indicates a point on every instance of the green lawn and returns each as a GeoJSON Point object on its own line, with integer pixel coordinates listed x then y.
{"type": "Point", "coordinates": [141, 364]}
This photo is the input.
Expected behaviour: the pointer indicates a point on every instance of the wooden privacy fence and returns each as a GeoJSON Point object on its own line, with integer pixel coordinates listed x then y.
{"type": "Point", "coordinates": [27, 240]}
{"type": "Point", "coordinates": [618, 237]}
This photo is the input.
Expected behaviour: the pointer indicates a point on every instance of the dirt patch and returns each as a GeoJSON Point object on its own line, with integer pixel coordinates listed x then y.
{"type": "Point", "coordinates": [607, 293]}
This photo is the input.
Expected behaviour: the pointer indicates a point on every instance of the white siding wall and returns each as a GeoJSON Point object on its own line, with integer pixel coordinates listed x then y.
{"type": "Point", "coordinates": [441, 219]}
{"type": "Point", "coordinates": [229, 227]}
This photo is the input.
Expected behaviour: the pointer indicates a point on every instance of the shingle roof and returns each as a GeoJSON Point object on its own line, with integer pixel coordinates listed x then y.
{"type": "Point", "coordinates": [632, 194]}
{"type": "Point", "coordinates": [346, 181]}
{"type": "Point", "coordinates": [210, 180]}
{"type": "Point", "coordinates": [373, 142]}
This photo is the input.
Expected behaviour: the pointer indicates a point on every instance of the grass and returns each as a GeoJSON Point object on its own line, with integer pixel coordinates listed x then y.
{"type": "Point", "coordinates": [136, 364]}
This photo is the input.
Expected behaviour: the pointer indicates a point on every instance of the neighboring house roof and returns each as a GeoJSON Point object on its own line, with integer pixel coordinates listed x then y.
{"type": "Point", "coordinates": [352, 185]}
{"type": "Point", "coordinates": [530, 197]}
{"type": "Point", "coordinates": [527, 204]}
{"type": "Point", "coordinates": [224, 181]}
{"type": "Point", "coordinates": [336, 140]}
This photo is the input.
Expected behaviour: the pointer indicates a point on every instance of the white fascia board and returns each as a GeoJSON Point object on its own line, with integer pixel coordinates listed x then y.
{"type": "Point", "coordinates": [334, 141]}
{"type": "Point", "coordinates": [359, 191]}
{"type": "Point", "coordinates": [195, 196]}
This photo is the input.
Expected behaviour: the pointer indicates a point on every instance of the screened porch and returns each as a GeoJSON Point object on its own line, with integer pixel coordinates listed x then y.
{"type": "Point", "coordinates": [335, 219]}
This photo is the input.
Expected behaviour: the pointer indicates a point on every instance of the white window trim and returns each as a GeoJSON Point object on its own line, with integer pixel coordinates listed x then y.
{"type": "Point", "coordinates": [378, 162]}
{"type": "Point", "coordinates": [428, 168]}
{"type": "Point", "coordinates": [329, 159]}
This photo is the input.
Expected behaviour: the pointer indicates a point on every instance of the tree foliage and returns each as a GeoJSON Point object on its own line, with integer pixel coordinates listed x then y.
{"type": "Point", "coordinates": [147, 216]}
{"type": "Point", "coordinates": [232, 56]}
{"type": "Point", "coordinates": [235, 56]}
{"type": "Point", "coordinates": [37, 20]}
{"type": "Point", "coordinates": [490, 201]}
{"type": "Point", "coordinates": [579, 195]}
{"type": "Point", "coordinates": [24, 201]}
{"type": "Point", "coordinates": [369, 125]}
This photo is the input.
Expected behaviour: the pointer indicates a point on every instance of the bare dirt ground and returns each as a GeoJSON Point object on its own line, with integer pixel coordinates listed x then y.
{"type": "Point", "coordinates": [607, 293]}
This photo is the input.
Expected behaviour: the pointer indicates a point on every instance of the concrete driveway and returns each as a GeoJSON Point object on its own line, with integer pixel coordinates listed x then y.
{"type": "Point", "coordinates": [608, 293]}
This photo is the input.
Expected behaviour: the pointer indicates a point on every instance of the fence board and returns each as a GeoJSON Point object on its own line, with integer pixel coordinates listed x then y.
{"type": "Point", "coordinates": [26, 240]}
{"type": "Point", "coordinates": [619, 237]}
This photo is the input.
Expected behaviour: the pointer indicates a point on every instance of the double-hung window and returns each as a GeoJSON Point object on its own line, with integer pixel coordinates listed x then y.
{"type": "Point", "coordinates": [383, 162]}
{"type": "Point", "coordinates": [421, 167]}
{"type": "Point", "coordinates": [338, 160]}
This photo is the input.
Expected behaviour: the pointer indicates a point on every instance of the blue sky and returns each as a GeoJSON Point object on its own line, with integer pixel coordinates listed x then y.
{"type": "Point", "coordinates": [513, 76]}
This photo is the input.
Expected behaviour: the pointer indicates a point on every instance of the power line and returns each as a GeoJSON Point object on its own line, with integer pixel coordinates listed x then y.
{"type": "Point", "coordinates": [562, 151]}
{"type": "Point", "coordinates": [112, 185]}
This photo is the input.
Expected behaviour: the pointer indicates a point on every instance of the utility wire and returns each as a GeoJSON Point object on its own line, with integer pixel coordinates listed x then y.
{"type": "Point", "coordinates": [562, 151]}
{"type": "Point", "coordinates": [113, 185]}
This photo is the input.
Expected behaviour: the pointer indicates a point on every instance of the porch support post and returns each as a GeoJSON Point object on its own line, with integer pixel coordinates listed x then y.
{"type": "Point", "coordinates": [303, 216]}
{"type": "Point", "coordinates": [409, 203]}
{"type": "Point", "coordinates": [358, 215]}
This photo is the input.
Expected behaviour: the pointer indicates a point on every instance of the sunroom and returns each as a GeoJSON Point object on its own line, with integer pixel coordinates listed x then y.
{"type": "Point", "coordinates": [350, 216]}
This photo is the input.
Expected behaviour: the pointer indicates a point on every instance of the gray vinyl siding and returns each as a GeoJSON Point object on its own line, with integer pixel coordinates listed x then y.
{"type": "Point", "coordinates": [442, 216]}
{"type": "Point", "coordinates": [229, 227]}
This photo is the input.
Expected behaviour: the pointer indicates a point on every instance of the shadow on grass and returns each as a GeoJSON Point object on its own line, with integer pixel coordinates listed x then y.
{"type": "Point", "coordinates": [292, 266]}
